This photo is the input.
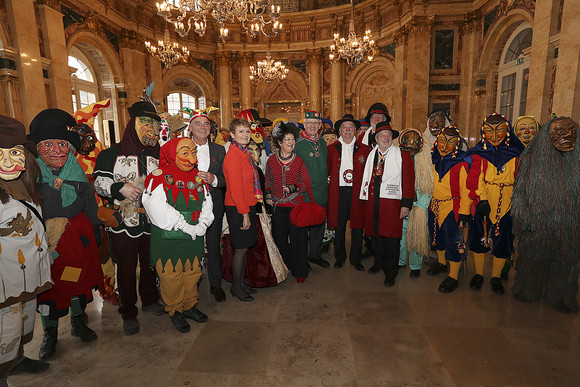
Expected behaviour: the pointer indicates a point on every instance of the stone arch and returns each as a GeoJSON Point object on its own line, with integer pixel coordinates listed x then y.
{"type": "Point", "coordinates": [371, 82]}
{"type": "Point", "coordinates": [201, 77]}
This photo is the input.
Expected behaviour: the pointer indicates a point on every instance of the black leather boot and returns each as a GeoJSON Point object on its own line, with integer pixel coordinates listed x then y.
{"type": "Point", "coordinates": [48, 346]}
{"type": "Point", "coordinates": [79, 328]}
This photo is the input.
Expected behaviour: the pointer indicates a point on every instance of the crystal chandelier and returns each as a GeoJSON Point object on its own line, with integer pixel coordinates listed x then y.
{"type": "Point", "coordinates": [255, 16]}
{"type": "Point", "coordinates": [168, 53]}
{"type": "Point", "coordinates": [353, 48]}
{"type": "Point", "coordinates": [268, 70]}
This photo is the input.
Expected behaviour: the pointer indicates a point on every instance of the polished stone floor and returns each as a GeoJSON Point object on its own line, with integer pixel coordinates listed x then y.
{"type": "Point", "coordinates": [340, 328]}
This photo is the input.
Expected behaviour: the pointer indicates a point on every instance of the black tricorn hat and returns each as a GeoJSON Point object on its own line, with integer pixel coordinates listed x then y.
{"type": "Point", "coordinates": [12, 133]}
{"type": "Point", "coordinates": [143, 109]}
{"type": "Point", "coordinates": [378, 107]}
{"type": "Point", "coordinates": [53, 124]}
{"type": "Point", "coordinates": [346, 118]}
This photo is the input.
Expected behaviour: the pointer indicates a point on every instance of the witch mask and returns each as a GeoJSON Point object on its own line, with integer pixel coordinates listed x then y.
{"type": "Point", "coordinates": [54, 152]}
{"type": "Point", "coordinates": [147, 130]}
{"type": "Point", "coordinates": [88, 138]}
{"type": "Point", "coordinates": [563, 134]}
{"type": "Point", "coordinates": [12, 162]}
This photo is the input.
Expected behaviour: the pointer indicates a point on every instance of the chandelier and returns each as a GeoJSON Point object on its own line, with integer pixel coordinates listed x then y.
{"type": "Point", "coordinates": [168, 53]}
{"type": "Point", "coordinates": [255, 16]}
{"type": "Point", "coordinates": [268, 70]}
{"type": "Point", "coordinates": [353, 48]}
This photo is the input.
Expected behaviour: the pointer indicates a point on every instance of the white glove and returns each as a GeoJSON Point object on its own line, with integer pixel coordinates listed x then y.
{"type": "Point", "coordinates": [191, 230]}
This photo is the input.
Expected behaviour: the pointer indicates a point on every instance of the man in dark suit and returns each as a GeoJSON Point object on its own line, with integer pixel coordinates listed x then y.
{"type": "Point", "coordinates": [210, 159]}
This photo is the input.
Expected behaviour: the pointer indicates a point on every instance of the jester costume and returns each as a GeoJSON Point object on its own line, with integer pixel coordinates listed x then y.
{"type": "Point", "coordinates": [490, 183]}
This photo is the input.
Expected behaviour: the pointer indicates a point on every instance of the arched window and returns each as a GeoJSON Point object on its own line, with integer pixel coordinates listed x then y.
{"type": "Point", "coordinates": [513, 74]}
{"type": "Point", "coordinates": [176, 101]}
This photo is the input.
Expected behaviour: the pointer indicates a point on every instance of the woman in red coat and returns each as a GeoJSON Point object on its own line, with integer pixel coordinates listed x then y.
{"type": "Point", "coordinates": [388, 189]}
{"type": "Point", "coordinates": [242, 193]}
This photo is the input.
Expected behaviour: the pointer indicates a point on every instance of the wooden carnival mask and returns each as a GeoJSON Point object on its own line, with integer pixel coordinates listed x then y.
{"type": "Point", "coordinates": [147, 130]}
{"type": "Point", "coordinates": [526, 129]}
{"type": "Point", "coordinates": [87, 136]}
{"type": "Point", "coordinates": [495, 130]}
{"type": "Point", "coordinates": [563, 134]}
{"type": "Point", "coordinates": [12, 162]}
{"type": "Point", "coordinates": [254, 150]}
{"type": "Point", "coordinates": [186, 156]}
{"type": "Point", "coordinates": [436, 123]}
{"type": "Point", "coordinates": [448, 140]}
{"type": "Point", "coordinates": [411, 141]}
{"type": "Point", "coordinates": [53, 152]}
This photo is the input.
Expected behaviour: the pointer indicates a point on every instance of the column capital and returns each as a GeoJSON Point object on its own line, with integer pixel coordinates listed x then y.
{"type": "Point", "coordinates": [421, 25]}
{"type": "Point", "coordinates": [224, 58]}
{"type": "Point", "coordinates": [131, 40]}
{"type": "Point", "coordinates": [54, 4]}
{"type": "Point", "coordinates": [314, 55]}
{"type": "Point", "coordinates": [246, 57]}
{"type": "Point", "coordinates": [401, 35]}
{"type": "Point", "coordinates": [471, 21]}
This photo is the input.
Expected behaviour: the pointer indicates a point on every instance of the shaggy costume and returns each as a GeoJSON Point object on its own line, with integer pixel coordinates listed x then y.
{"type": "Point", "coordinates": [178, 204]}
{"type": "Point", "coordinates": [544, 208]}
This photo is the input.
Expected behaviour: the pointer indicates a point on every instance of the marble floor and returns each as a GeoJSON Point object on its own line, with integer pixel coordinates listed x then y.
{"type": "Point", "coordinates": [340, 328]}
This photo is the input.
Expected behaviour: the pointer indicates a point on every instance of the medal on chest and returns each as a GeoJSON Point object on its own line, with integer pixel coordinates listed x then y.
{"type": "Point", "coordinates": [348, 176]}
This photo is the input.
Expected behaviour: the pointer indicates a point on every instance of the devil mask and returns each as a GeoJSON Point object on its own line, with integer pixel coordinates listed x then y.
{"type": "Point", "coordinates": [563, 134]}
{"type": "Point", "coordinates": [87, 136]}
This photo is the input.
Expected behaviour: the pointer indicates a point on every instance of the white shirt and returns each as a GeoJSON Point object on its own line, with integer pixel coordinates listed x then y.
{"type": "Point", "coordinates": [203, 160]}
{"type": "Point", "coordinates": [346, 163]}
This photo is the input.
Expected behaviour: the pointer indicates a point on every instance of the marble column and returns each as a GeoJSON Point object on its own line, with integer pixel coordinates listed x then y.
{"type": "Point", "coordinates": [224, 60]}
{"type": "Point", "coordinates": [418, 68]}
{"type": "Point", "coordinates": [541, 58]}
{"type": "Point", "coordinates": [246, 102]}
{"type": "Point", "coordinates": [133, 54]}
{"type": "Point", "coordinates": [9, 94]}
{"type": "Point", "coordinates": [336, 90]}
{"type": "Point", "coordinates": [22, 22]}
{"type": "Point", "coordinates": [567, 84]}
{"type": "Point", "coordinates": [157, 77]}
{"type": "Point", "coordinates": [55, 49]}
{"type": "Point", "coordinates": [469, 33]}
{"type": "Point", "coordinates": [314, 58]}
{"type": "Point", "coordinates": [397, 111]}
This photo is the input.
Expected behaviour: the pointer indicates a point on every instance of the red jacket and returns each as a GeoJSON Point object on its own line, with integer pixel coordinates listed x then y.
{"type": "Point", "coordinates": [239, 175]}
{"type": "Point", "coordinates": [333, 163]}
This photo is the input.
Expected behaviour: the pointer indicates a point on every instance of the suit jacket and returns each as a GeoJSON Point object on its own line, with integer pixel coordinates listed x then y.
{"type": "Point", "coordinates": [217, 154]}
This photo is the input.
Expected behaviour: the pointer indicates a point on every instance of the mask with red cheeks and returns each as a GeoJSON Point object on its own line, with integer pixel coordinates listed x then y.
{"type": "Point", "coordinates": [526, 129]}
{"type": "Point", "coordinates": [53, 153]}
{"type": "Point", "coordinates": [186, 158]}
{"type": "Point", "coordinates": [12, 162]}
{"type": "Point", "coordinates": [495, 130]}
{"type": "Point", "coordinates": [447, 141]}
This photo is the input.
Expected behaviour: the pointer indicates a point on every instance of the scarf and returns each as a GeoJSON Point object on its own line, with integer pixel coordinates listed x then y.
{"type": "Point", "coordinates": [257, 188]}
{"type": "Point", "coordinates": [71, 171]}
{"type": "Point", "coordinates": [444, 163]}
{"type": "Point", "coordinates": [391, 183]}
{"type": "Point", "coordinates": [307, 137]}
{"type": "Point", "coordinates": [131, 144]}
{"type": "Point", "coordinates": [16, 189]}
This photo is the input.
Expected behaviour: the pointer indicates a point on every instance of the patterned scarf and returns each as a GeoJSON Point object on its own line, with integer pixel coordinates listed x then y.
{"type": "Point", "coordinates": [257, 188]}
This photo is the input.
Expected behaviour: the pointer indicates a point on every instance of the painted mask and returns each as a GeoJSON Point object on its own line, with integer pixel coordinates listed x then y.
{"type": "Point", "coordinates": [526, 128]}
{"type": "Point", "coordinates": [411, 141]}
{"type": "Point", "coordinates": [563, 134]}
{"type": "Point", "coordinates": [495, 133]}
{"type": "Point", "coordinates": [256, 135]}
{"type": "Point", "coordinates": [53, 153]}
{"type": "Point", "coordinates": [186, 157]}
{"type": "Point", "coordinates": [329, 138]}
{"type": "Point", "coordinates": [147, 130]}
{"type": "Point", "coordinates": [255, 151]}
{"type": "Point", "coordinates": [88, 138]}
{"type": "Point", "coordinates": [11, 162]}
{"type": "Point", "coordinates": [447, 142]}
{"type": "Point", "coordinates": [436, 123]}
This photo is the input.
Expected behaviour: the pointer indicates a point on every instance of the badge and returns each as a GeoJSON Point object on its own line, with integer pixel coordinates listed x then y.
{"type": "Point", "coordinates": [57, 183]}
{"type": "Point", "coordinates": [317, 154]}
{"type": "Point", "coordinates": [180, 184]}
{"type": "Point", "coordinates": [198, 180]}
{"type": "Point", "coordinates": [361, 159]}
{"type": "Point", "coordinates": [347, 176]}
{"type": "Point", "coordinates": [169, 179]}
{"type": "Point", "coordinates": [199, 189]}
{"type": "Point", "coordinates": [311, 154]}
{"type": "Point", "coordinates": [157, 172]}
{"type": "Point", "coordinates": [190, 185]}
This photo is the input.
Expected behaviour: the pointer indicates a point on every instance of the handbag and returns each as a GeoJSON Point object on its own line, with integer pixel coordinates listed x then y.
{"type": "Point", "coordinates": [110, 215]}
{"type": "Point", "coordinates": [307, 214]}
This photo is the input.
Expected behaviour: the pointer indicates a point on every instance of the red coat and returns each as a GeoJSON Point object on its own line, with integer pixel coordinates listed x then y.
{"type": "Point", "coordinates": [239, 175]}
{"type": "Point", "coordinates": [333, 163]}
{"type": "Point", "coordinates": [391, 224]}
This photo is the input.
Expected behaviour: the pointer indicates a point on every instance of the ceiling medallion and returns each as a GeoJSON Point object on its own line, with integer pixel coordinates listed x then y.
{"type": "Point", "coordinates": [167, 52]}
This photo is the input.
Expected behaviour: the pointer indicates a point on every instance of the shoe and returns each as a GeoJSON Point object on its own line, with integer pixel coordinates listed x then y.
{"type": "Point", "coordinates": [415, 273]}
{"type": "Point", "coordinates": [79, 328]}
{"type": "Point", "coordinates": [358, 266]}
{"type": "Point", "coordinates": [113, 299]}
{"type": "Point", "coordinates": [248, 289]}
{"type": "Point", "coordinates": [157, 309]}
{"type": "Point", "coordinates": [218, 293]}
{"type": "Point", "coordinates": [374, 269]}
{"type": "Point", "coordinates": [476, 282]}
{"type": "Point", "coordinates": [437, 269]}
{"type": "Point", "coordinates": [320, 262]}
{"type": "Point", "coordinates": [300, 280]}
{"type": "Point", "coordinates": [195, 315]}
{"type": "Point", "coordinates": [48, 345]}
{"type": "Point", "coordinates": [29, 366]}
{"type": "Point", "coordinates": [389, 282]}
{"type": "Point", "coordinates": [131, 326]}
{"type": "Point", "coordinates": [179, 322]}
{"type": "Point", "coordinates": [497, 286]}
{"type": "Point", "coordinates": [246, 298]}
{"type": "Point", "coordinates": [448, 285]}
{"type": "Point", "coordinates": [338, 264]}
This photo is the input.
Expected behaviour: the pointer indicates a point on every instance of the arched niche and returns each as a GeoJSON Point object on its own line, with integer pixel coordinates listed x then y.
{"type": "Point", "coordinates": [287, 99]}
{"type": "Point", "coordinates": [371, 82]}
{"type": "Point", "coordinates": [192, 80]}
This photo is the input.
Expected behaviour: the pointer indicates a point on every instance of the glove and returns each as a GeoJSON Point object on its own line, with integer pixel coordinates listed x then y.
{"type": "Point", "coordinates": [464, 219]}
{"type": "Point", "coordinates": [191, 230]}
{"type": "Point", "coordinates": [483, 208]}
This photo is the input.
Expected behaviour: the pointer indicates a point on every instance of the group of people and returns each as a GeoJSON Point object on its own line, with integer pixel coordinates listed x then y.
{"type": "Point", "coordinates": [70, 208]}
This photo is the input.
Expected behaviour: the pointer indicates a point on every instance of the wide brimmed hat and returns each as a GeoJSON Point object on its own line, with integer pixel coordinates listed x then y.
{"type": "Point", "coordinates": [384, 125]}
{"type": "Point", "coordinates": [257, 118]}
{"type": "Point", "coordinates": [347, 118]}
{"type": "Point", "coordinates": [12, 133]}
{"type": "Point", "coordinates": [378, 107]}
{"type": "Point", "coordinates": [53, 124]}
{"type": "Point", "coordinates": [144, 109]}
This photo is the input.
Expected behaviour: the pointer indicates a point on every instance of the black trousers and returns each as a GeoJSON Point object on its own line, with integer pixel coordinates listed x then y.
{"type": "Point", "coordinates": [356, 235]}
{"type": "Point", "coordinates": [386, 252]}
{"type": "Point", "coordinates": [213, 242]}
{"type": "Point", "coordinates": [291, 242]}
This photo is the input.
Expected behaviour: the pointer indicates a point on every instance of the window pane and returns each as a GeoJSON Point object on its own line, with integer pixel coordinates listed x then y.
{"type": "Point", "coordinates": [201, 102]}
{"type": "Point", "coordinates": [524, 94]}
{"type": "Point", "coordinates": [188, 101]}
{"type": "Point", "coordinates": [517, 46]}
{"type": "Point", "coordinates": [173, 104]}
{"type": "Point", "coordinates": [83, 72]}
{"type": "Point", "coordinates": [443, 49]}
{"type": "Point", "coordinates": [74, 98]}
{"type": "Point", "coordinates": [86, 98]}
{"type": "Point", "coordinates": [508, 86]}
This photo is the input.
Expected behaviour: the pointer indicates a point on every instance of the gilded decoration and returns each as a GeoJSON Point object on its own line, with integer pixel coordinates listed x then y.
{"type": "Point", "coordinates": [54, 4]}
{"type": "Point", "coordinates": [223, 58]}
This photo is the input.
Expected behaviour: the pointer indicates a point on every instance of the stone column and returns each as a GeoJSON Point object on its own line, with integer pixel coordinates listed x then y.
{"type": "Point", "coordinates": [157, 76]}
{"type": "Point", "coordinates": [22, 22]}
{"type": "Point", "coordinates": [541, 58]}
{"type": "Point", "coordinates": [470, 53]}
{"type": "Point", "coordinates": [418, 68]}
{"type": "Point", "coordinates": [315, 69]}
{"type": "Point", "coordinates": [567, 85]}
{"type": "Point", "coordinates": [55, 49]}
{"type": "Point", "coordinates": [336, 90]}
{"type": "Point", "coordinates": [397, 111]}
{"type": "Point", "coordinates": [133, 54]}
{"type": "Point", "coordinates": [9, 94]}
{"type": "Point", "coordinates": [246, 102]}
{"type": "Point", "coordinates": [224, 60]}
